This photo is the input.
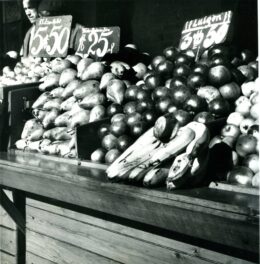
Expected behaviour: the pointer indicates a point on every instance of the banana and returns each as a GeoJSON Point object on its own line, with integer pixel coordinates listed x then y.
{"type": "Point", "coordinates": [137, 174]}
{"type": "Point", "coordinates": [155, 177]}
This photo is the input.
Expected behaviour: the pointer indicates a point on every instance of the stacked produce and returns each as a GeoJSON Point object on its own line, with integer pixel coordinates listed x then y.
{"type": "Point", "coordinates": [27, 70]}
{"type": "Point", "coordinates": [241, 133]}
{"type": "Point", "coordinates": [75, 92]}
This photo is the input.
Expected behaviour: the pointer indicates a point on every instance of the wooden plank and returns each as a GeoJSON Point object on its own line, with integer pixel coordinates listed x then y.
{"type": "Point", "coordinates": [34, 259]}
{"type": "Point", "coordinates": [234, 188]}
{"type": "Point", "coordinates": [5, 219]}
{"type": "Point", "coordinates": [6, 258]}
{"type": "Point", "coordinates": [56, 251]}
{"type": "Point", "coordinates": [8, 240]}
{"type": "Point", "coordinates": [237, 230]}
{"type": "Point", "coordinates": [123, 244]}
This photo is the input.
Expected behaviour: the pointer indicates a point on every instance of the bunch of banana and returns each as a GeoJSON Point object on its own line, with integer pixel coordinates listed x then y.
{"type": "Point", "coordinates": [144, 161]}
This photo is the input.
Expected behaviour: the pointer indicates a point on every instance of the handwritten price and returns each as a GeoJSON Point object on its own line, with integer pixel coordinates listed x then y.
{"type": "Point", "coordinates": [58, 36]}
{"type": "Point", "coordinates": [95, 42]}
{"type": "Point", "coordinates": [215, 35]}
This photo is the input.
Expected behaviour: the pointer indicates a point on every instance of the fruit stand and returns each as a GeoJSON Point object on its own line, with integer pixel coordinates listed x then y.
{"type": "Point", "coordinates": [111, 154]}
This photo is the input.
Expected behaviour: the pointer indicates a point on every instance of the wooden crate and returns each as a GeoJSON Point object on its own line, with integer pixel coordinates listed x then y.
{"type": "Point", "coordinates": [8, 236]}
{"type": "Point", "coordinates": [58, 235]}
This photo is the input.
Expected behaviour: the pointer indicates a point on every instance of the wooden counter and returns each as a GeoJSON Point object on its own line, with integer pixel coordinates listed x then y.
{"type": "Point", "coordinates": [200, 221]}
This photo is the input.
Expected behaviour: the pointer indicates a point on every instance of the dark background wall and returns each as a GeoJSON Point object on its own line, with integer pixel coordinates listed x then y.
{"type": "Point", "coordinates": [154, 24]}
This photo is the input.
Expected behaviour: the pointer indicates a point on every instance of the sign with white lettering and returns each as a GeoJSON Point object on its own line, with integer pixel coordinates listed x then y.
{"type": "Point", "coordinates": [97, 42]}
{"type": "Point", "coordinates": [51, 37]}
{"type": "Point", "coordinates": [200, 34]}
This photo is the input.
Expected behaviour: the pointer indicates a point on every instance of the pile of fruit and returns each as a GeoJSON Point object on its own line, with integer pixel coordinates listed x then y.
{"type": "Point", "coordinates": [75, 92]}
{"type": "Point", "coordinates": [241, 133]}
{"type": "Point", "coordinates": [28, 70]}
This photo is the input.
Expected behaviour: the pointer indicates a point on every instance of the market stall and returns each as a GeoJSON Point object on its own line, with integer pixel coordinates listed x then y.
{"type": "Point", "coordinates": [111, 154]}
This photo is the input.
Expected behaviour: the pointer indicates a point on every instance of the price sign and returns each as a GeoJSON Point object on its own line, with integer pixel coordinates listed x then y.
{"type": "Point", "coordinates": [51, 37]}
{"type": "Point", "coordinates": [200, 34]}
{"type": "Point", "coordinates": [96, 42]}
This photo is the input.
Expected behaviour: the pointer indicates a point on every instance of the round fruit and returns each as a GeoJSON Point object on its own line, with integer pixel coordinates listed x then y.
{"type": "Point", "coordinates": [196, 80]}
{"type": "Point", "coordinates": [109, 142]}
{"type": "Point", "coordinates": [201, 68]}
{"type": "Point", "coordinates": [243, 106]}
{"type": "Point", "coordinates": [124, 142]}
{"type": "Point", "coordinates": [248, 72]}
{"type": "Point", "coordinates": [235, 158]}
{"type": "Point", "coordinates": [160, 92]}
{"type": "Point", "coordinates": [254, 131]}
{"type": "Point", "coordinates": [157, 60]}
{"type": "Point", "coordinates": [254, 111]}
{"type": "Point", "coordinates": [235, 119]}
{"type": "Point", "coordinates": [165, 69]}
{"type": "Point", "coordinates": [254, 65]}
{"type": "Point", "coordinates": [114, 109]}
{"type": "Point", "coordinates": [118, 117]}
{"type": "Point", "coordinates": [130, 93]}
{"type": "Point", "coordinates": [247, 56]}
{"type": "Point", "coordinates": [112, 155]}
{"type": "Point", "coordinates": [177, 82]}
{"type": "Point", "coordinates": [251, 162]}
{"type": "Point", "coordinates": [168, 83]}
{"type": "Point", "coordinates": [163, 104]}
{"type": "Point", "coordinates": [230, 91]}
{"type": "Point", "coordinates": [219, 107]}
{"type": "Point", "coordinates": [183, 117]}
{"type": "Point", "coordinates": [98, 155]}
{"type": "Point", "coordinates": [256, 180]}
{"type": "Point", "coordinates": [195, 104]}
{"type": "Point", "coordinates": [130, 107]}
{"type": "Point", "coordinates": [204, 117]}
{"type": "Point", "coordinates": [149, 117]}
{"type": "Point", "coordinates": [143, 95]}
{"type": "Point", "coordinates": [237, 76]}
{"type": "Point", "coordinates": [246, 144]}
{"type": "Point", "coordinates": [230, 131]}
{"type": "Point", "coordinates": [133, 118]}
{"type": "Point", "coordinates": [172, 108]}
{"type": "Point", "coordinates": [152, 81]}
{"type": "Point", "coordinates": [170, 53]}
{"type": "Point", "coordinates": [103, 130]}
{"type": "Point", "coordinates": [240, 175]}
{"type": "Point", "coordinates": [219, 75]}
{"type": "Point", "coordinates": [181, 70]}
{"type": "Point", "coordinates": [236, 62]}
{"type": "Point", "coordinates": [182, 59]}
{"type": "Point", "coordinates": [180, 95]}
{"type": "Point", "coordinates": [218, 60]}
{"type": "Point", "coordinates": [144, 105]}
{"type": "Point", "coordinates": [246, 124]}
{"type": "Point", "coordinates": [118, 128]}
{"type": "Point", "coordinates": [137, 129]}
{"type": "Point", "coordinates": [190, 53]}
{"type": "Point", "coordinates": [218, 49]}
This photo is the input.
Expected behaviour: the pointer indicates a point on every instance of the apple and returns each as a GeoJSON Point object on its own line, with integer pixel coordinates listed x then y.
{"type": "Point", "coordinates": [252, 162]}
{"type": "Point", "coordinates": [195, 104]}
{"type": "Point", "coordinates": [180, 95]}
{"type": "Point", "coordinates": [181, 70]}
{"type": "Point", "coordinates": [112, 155]}
{"type": "Point", "coordinates": [246, 124]}
{"type": "Point", "coordinates": [98, 155]}
{"type": "Point", "coordinates": [245, 145]}
{"type": "Point", "coordinates": [118, 128]}
{"type": "Point", "coordinates": [254, 98]}
{"type": "Point", "coordinates": [235, 119]}
{"type": "Point", "coordinates": [170, 53]}
{"type": "Point", "coordinates": [109, 142]}
{"type": "Point", "coordinates": [240, 175]}
{"type": "Point", "coordinates": [157, 60]}
{"type": "Point", "coordinates": [196, 80]}
{"type": "Point", "coordinates": [204, 117]}
{"type": "Point", "coordinates": [243, 108]}
{"type": "Point", "coordinates": [230, 130]}
{"type": "Point", "coordinates": [219, 75]}
{"type": "Point", "coordinates": [254, 111]}
{"type": "Point", "coordinates": [230, 91]}
{"type": "Point", "coordinates": [248, 88]}
{"type": "Point", "coordinates": [219, 107]}
{"type": "Point", "coordinates": [103, 130]}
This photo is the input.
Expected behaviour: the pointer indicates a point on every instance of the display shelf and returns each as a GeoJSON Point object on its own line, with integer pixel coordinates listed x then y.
{"type": "Point", "coordinates": [215, 219]}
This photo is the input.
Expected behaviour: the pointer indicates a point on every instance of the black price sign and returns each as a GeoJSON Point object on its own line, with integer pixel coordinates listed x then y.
{"type": "Point", "coordinates": [51, 37]}
{"type": "Point", "coordinates": [96, 42]}
{"type": "Point", "coordinates": [200, 34]}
